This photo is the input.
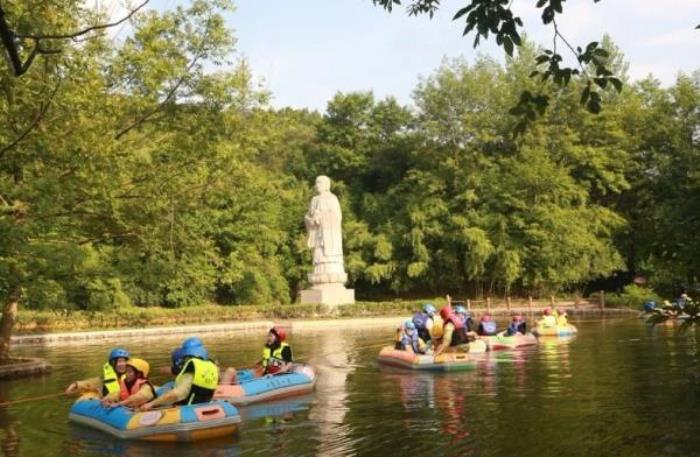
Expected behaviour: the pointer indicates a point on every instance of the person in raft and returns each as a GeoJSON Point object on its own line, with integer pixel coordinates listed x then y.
{"type": "Point", "coordinates": [107, 385]}
{"type": "Point", "coordinates": [467, 320]}
{"type": "Point", "coordinates": [517, 325]}
{"type": "Point", "coordinates": [423, 320]}
{"type": "Point", "coordinates": [454, 333]}
{"type": "Point", "coordinates": [548, 319]}
{"type": "Point", "coordinates": [276, 357]}
{"type": "Point", "coordinates": [135, 388]}
{"type": "Point", "coordinates": [409, 340]}
{"type": "Point", "coordinates": [562, 320]}
{"type": "Point", "coordinates": [196, 382]}
{"type": "Point", "coordinates": [487, 325]}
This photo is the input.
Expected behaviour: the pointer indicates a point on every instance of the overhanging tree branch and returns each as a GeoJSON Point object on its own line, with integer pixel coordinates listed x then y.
{"type": "Point", "coordinates": [10, 40]}
{"type": "Point", "coordinates": [86, 30]}
{"type": "Point", "coordinates": [39, 115]}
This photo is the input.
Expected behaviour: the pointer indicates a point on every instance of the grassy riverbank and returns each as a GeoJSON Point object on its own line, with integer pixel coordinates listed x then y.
{"type": "Point", "coordinates": [134, 317]}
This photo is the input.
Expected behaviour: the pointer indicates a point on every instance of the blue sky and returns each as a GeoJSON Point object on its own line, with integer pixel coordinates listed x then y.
{"type": "Point", "coordinates": [307, 50]}
{"type": "Point", "coordinates": [304, 51]}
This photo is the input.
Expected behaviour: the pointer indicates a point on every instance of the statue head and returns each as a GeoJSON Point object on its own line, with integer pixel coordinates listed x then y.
{"type": "Point", "coordinates": [323, 184]}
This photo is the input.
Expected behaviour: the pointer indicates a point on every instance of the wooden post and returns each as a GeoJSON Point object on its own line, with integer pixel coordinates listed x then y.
{"type": "Point", "coordinates": [469, 305]}
{"type": "Point", "coordinates": [551, 300]}
{"type": "Point", "coordinates": [488, 303]}
{"type": "Point", "coordinates": [602, 299]}
{"type": "Point", "coordinates": [577, 301]}
{"type": "Point", "coordinates": [508, 303]}
{"type": "Point", "coordinates": [529, 303]}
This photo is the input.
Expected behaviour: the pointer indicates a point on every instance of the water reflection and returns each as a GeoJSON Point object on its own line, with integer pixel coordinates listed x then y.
{"type": "Point", "coordinates": [9, 429]}
{"type": "Point", "coordinates": [328, 412]}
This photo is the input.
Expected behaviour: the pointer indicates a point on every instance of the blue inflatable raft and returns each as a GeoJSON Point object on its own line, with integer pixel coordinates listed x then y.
{"type": "Point", "coordinates": [250, 389]}
{"type": "Point", "coordinates": [180, 423]}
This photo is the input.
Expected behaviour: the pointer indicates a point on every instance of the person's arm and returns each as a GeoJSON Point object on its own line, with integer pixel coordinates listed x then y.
{"type": "Point", "coordinates": [179, 392]}
{"type": "Point", "coordinates": [144, 395]}
{"type": "Point", "coordinates": [86, 385]}
{"type": "Point", "coordinates": [446, 339]}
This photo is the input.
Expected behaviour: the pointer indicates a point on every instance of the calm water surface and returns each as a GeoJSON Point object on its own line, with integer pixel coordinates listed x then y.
{"type": "Point", "coordinates": [617, 389]}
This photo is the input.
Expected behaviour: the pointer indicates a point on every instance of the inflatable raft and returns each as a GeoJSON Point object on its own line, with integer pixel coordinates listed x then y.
{"type": "Point", "coordinates": [454, 361]}
{"type": "Point", "coordinates": [178, 423]}
{"type": "Point", "coordinates": [501, 342]}
{"type": "Point", "coordinates": [251, 389]}
{"type": "Point", "coordinates": [559, 330]}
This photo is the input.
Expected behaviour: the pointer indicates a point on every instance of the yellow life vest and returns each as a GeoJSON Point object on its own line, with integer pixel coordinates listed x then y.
{"type": "Point", "coordinates": [110, 379]}
{"type": "Point", "coordinates": [273, 358]}
{"type": "Point", "coordinates": [205, 380]}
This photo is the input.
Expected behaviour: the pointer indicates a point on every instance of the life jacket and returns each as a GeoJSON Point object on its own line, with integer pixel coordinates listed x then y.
{"type": "Point", "coordinates": [488, 327]}
{"type": "Point", "coordinates": [125, 392]}
{"type": "Point", "coordinates": [110, 379]}
{"type": "Point", "coordinates": [459, 335]}
{"type": "Point", "coordinates": [420, 320]}
{"type": "Point", "coordinates": [205, 380]}
{"type": "Point", "coordinates": [272, 360]}
{"type": "Point", "coordinates": [549, 321]}
{"type": "Point", "coordinates": [517, 327]}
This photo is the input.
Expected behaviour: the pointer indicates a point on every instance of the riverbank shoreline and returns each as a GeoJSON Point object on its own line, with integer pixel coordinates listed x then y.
{"type": "Point", "coordinates": [261, 325]}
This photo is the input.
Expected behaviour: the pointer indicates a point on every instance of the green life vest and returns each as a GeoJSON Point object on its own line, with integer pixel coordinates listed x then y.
{"type": "Point", "coordinates": [110, 380]}
{"type": "Point", "coordinates": [205, 380]}
{"type": "Point", "coordinates": [273, 358]}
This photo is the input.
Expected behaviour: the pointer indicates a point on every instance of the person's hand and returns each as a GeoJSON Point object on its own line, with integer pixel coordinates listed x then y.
{"type": "Point", "coordinates": [106, 402]}
{"type": "Point", "coordinates": [145, 407]}
{"type": "Point", "coordinates": [72, 388]}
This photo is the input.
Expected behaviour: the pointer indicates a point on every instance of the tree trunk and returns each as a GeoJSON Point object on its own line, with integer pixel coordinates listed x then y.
{"type": "Point", "coordinates": [9, 315]}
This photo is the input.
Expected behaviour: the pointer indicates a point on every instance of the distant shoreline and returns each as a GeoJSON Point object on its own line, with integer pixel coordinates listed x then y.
{"type": "Point", "coordinates": [332, 318]}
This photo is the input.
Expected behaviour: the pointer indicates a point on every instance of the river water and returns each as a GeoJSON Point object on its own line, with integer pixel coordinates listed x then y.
{"type": "Point", "coordinates": [617, 389]}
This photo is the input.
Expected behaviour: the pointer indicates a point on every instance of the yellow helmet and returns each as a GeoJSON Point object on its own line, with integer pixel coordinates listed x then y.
{"type": "Point", "coordinates": [139, 365]}
{"type": "Point", "coordinates": [437, 330]}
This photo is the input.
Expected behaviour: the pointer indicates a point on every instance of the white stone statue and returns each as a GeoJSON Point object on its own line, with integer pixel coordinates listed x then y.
{"type": "Point", "coordinates": [323, 223]}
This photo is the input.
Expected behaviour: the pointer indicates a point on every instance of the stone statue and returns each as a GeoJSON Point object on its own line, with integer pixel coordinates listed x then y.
{"type": "Point", "coordinates": [323, 223]}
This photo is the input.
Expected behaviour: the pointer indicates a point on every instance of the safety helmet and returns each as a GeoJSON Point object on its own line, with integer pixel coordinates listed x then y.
{"type": "Point", "coordinates": [279, 333]}
{"type": "Point", "coordinates": [176, 357]}
{"type": "Point", "coordinates": [192, 342]}
{"type": "Point", "coordinates": [446, 312]}
{"type": "Point", "coordinates": [118, 353]}
{"type": "Point", "coordinates": [459, 309]}
{"type": "Point", "coordinates": [139, 365]}
{"type": "Point", "coordinates": [486, 317]}
{"type": "Point", "coordinates": [199, 352]}
{"type": "Point", "coordinates": [547, 311]}
{"type": "Point", "coordinates": [429, 309]}
{"type": "Point", "coordinates": [409, 325]}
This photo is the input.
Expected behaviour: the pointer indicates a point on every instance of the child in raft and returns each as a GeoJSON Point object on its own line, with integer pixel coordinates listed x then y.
{"type": "Point", "coordinates": [562, 320]}
{"type": "Point", "coordinates": [276, 357]}
{"type": "Point", "coordinates": [135, 388]}
{"type": "Point", "coordinates": [408, 339]}
{"type": "Point", "coordinates": [548, 318]}
{"type": "Point", "coordinates": [108, 385]}
{"type": "Point", "coordinates": [518, 325]}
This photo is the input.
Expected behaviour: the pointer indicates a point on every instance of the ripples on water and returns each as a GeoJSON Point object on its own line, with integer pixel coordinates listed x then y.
{"type": "Point", "coordinates": [616, 389]}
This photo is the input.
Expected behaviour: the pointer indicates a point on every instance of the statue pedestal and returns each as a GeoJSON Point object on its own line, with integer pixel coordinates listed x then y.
{"type": "Point", "coordinates": [328, 294]}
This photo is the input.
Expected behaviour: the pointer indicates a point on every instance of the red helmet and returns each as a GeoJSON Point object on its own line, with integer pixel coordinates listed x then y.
{"type": "Point", "coordinates": [279, 333]}
{"type": "Point", "coordinates": [446, 312]}
{"type": "Point", "coordinates": [547, 311]}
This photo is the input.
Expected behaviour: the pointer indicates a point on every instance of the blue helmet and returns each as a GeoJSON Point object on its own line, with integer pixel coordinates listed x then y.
{"type": "Point", "coordinates": [176, 357]}
{"type": "Point", "coordinates": [429, 309]}
{"type": "Point", "coordinates": [459, 309]}
{"type": "Point", "coordinates": [199, 352]}
{"type": "Point", "coordinates": [119, 353]}
{"type": "Point", "coordinates": [192, 341]}
{"type": "Point", "coordinates": [409, 325]}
